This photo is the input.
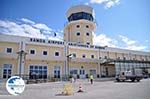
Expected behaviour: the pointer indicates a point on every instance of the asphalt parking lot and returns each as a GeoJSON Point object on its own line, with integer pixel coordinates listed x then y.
{"type": "Point", "coordinates": [99, 90]}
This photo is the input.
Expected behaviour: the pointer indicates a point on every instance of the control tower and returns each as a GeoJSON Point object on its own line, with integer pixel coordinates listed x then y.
{"type": "Point", "coordinates": [81, 25]}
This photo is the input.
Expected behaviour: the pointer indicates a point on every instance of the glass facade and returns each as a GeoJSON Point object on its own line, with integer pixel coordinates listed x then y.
{"type": "Point", "coordinates": [80, 15]}
{"type": "Point", "coordinates": [133, 66]}
{"type": "Point", "coordinates": [38, 72]}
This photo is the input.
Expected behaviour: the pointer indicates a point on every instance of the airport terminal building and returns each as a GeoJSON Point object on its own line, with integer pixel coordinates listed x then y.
{"type": "Point", "coordinates": [76, 55]}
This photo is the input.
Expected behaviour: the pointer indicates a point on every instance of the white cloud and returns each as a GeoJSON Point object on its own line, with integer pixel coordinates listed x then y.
{"type": "Point", "coordinates": [107, 3]}
{"type": "Point", "coordinates": [123, 42]}
{"type": "Point", "coordinates": [42, 26]}
{"type": "Point", "coordinates": [98, 1]}
{"type": "Point", "coordinates": [104, 40]}
{"type": "Point", "coordinates": [127, 40]}
{"type": "Point", "coordinates": [131, 44]}
{"type": "Point", "coordinates": [87, 3]}
{"type": "Point", "coordinates": [27, 21]}
{"type": "Point", "coordinates": [26, 27]}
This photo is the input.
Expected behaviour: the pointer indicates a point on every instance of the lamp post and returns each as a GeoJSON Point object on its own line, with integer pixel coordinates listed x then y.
{"type": "Point", "coordinates": [21, 54]}
{"type": "Point", "coordinates": [68, 57]}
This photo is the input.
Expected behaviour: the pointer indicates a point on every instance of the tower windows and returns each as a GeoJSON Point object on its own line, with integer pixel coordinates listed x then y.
{"type": "Point", "coordinates": [44, 52]}
{"type": "Point", "coordinates": [87, 26]}
{"type": "Point", "coordinates": [78, 26]}
{"type": "Point", "coordinates": [92, 56]}
{"type": "Point", "coordinates": [56, 53]}
{"type": "Point", "coordinates": [80, 15]}
{"type": "Point", "coordinates": [87, 34]}
{"type": "Point", "coordinates": [78, 33]}
{"type": "Point", "coordinates": [83, 56]}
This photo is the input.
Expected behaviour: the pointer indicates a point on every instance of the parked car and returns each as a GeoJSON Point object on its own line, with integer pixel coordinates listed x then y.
{"type": "Point", "coordinates": [128, 75]}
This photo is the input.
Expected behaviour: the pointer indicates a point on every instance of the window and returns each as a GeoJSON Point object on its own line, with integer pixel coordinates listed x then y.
{"type": "Point", "coordinates": [37, 40]}
{"type": "Point", "coordinates": [88, 43]}
{"type": "Point", "coordinates": [78, 34]}
{"type": "Point", "coordinates": [56, 53]}
{"type": "Point", "coordinates": [38, 72]}
{"type": "Point", "coordinates": [74, 72]}
{"type": "Point", "coordinates": [44, 52]}
{"type": "Point", "coordinates": [78, 26]}
{"type": "Point", "coordinates": [32, 51]}
{"type": "Point", "coordinates": [31, 39]}
{"type": "Point", "coordinates": [87, 34]}
{"type": "Point", "coordinates": [7, 70]}
{"type": "Point", "coordinates": [92, 56]}
{"type": "Point", "coordinates": [9, 50]}
{"type": "Point", "coordinates": [82, 72]}
{"type": "Point", "coordinates": [80, 15]}
{"type": "Point", "coordinates": [83, 56]}
{"type": "Point", "coordinates": [57, 72]}
{"type": "Point", "coordinates": [87, 26]}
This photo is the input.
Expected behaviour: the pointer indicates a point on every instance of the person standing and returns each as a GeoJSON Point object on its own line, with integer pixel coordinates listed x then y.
{"type": "Point", "coordinates": [91, 79]}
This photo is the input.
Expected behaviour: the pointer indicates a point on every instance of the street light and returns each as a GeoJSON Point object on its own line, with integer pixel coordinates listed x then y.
{"type": "Point", "coordinates": [21, 53]}
{"type": "Point", "coordinates": [68, 57]}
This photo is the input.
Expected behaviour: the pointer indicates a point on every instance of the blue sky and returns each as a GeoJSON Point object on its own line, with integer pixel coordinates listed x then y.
{"type": "Point", "coordinates": [121, 23]}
